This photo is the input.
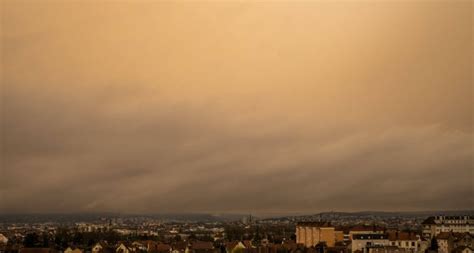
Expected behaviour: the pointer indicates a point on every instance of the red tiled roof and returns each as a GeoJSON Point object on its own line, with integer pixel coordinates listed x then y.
{"type": "Point", "coordinates": [202, 245]}
{"type": "Point", "coordinates": [162, 247]}
{"type": "Point", "coordinates": [231, 245]}
{"type": "Point", "coordinates": [179, 246]}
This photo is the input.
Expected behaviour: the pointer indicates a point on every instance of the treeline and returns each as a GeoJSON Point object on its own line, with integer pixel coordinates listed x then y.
{"type": "Point", "coordinates": [64, 238]}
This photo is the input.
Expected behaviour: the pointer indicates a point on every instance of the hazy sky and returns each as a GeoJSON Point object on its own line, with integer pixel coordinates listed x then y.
{"type": "Point", "coordinates": [267, 107]}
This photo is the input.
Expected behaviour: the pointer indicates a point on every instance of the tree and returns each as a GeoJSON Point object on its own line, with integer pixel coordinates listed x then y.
{"type": "Point", "coordinates": [78, 238]}
{"type": "Point", "coordinates": [434, 244]}
{"type": "Point", "coordinates": [177, 238]}
{"type": "Point", "coordinates": [31, 240]}
{"type": "Point", "coordinates": [192, 236]}
{"type": "Point", "coordinates": [45, 239]}
{"type": "Point", "coordinates": [293, 237]}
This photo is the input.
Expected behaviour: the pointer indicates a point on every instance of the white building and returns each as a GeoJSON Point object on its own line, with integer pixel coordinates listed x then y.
{"type": "Point", "coordinates": [362, 242]}
{"type": "Point", "coordinates": [434, 225]}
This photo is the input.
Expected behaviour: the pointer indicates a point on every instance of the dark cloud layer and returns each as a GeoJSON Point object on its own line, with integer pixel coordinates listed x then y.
{"type": "Point", "coordinates": [236, 107]}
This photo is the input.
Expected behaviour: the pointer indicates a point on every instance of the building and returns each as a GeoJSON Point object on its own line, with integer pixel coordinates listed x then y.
{"type": "Point", "coordinates": [365, 230]}
{"type": "Point", "coordinates": [310, 234]}
{"type": "Point", "coordinates": [161, 248]}
{"type": "Point", "coordinates": [435, 225]}
{"type": "Point", "coordinates": [139, 246]}
{"type": "Point", "coordinates": [177, 247]}
{"type": "Point", "coordinates": [448, 241]}
{"type": "Point", "coordinates": [73, 250]}
{"type": "Point", "coordinates": [235, 247]}
{"type": "Point", "coordinates": [409, 241]}
{"type": "Point", "coordinates": [339, 235]}
{"type": "Point", "coordinates": [101, 247]}
{"type": "Point", "coordinates": [363, 242]}
{"type": "Point", "coordinates": [122, 248]}
{"type": "Point", "coordinates": [202, 247]}
{"type": "Point", "coordinates": [3, 239]}
{"type": "Point", "coordinates": [463, 249]}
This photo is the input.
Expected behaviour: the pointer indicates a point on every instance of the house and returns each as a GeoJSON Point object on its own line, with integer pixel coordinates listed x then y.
{"type": "Point", "coordinates": [362, 242]}
{"type": "Point", "coordinates": [3, 239]}
{"type": "Point", "coordinates": [463, 249]}
{"type": "Point", "coordinates": [464, 239]}
{"type": "Point", "coordinates": [139, 246]}
{"type": "Point", "coordinates": [448, 241]}
{"type": "Point", "coordinates": [122, 248]}
{"type": "Point", "coordinates": [73, 250]}
{"type": "Point", "coordinates": [177, 247]}
{"type": "Point", "coordinates": [202, 247]}
{"type": "Point", "coordinates": [101, 247]}
{"type": "Point", "coordinates": [162, 248]}
{"type": "Point", "coordinates": [235, 247]}
{"type": "Point", "coordinates": [405, 240]}
{"type": "Point", "coordinates": [148, 245]}
{"type": "Point", "coordinates": [424, 245]}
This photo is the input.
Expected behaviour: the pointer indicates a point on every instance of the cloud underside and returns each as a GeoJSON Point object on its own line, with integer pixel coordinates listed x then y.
{"type": "Point", "coordinates": [263, 108]}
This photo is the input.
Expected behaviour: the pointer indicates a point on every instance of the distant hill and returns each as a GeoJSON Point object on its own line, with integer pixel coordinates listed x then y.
{"type": "Point", "coordinates": [368, 214]}
{"type": "Point", "coordinates": [203, 217]}
{"type": "Point", "coordinates": [91, 217]}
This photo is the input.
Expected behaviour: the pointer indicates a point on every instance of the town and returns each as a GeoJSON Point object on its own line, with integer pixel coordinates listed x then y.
{"type": "Point", "coordinates": [322, 233]}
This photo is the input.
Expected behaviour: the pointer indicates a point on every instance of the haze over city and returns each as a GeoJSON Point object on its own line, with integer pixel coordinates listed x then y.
{"type": "Point", "coordinates": [236, 107]}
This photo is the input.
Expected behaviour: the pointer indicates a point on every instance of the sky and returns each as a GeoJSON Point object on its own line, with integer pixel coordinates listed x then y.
{"type": "Point", "coordinates": [228, 107]}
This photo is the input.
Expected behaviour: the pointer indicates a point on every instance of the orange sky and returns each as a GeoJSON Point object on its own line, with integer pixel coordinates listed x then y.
{"type": "Point", "coordinates": [132, 100]}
